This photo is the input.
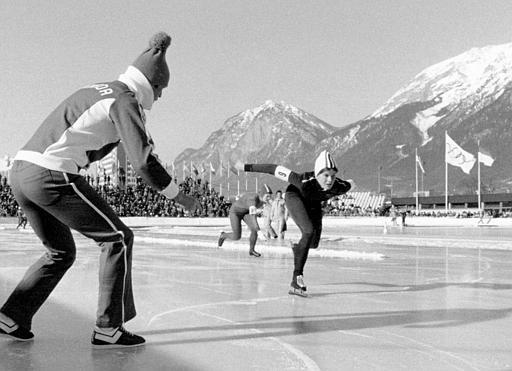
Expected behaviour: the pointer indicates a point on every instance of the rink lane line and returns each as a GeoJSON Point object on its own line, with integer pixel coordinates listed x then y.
{"type": "Point", "coordinates": [430, 352]}
{"type": "Point", "coordinates": [270, 250]}
{"type": "Point", "coordinates": [303, 357]}
{"type": "Point", "coordinates": [308, 362]}
{"type": "Point", "coordinates": [434, 350]}
{"type": "Point", "coordinates": [206, 305]}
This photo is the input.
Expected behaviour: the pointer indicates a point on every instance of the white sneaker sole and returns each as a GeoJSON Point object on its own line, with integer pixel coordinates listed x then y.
{"type": "Point", "coordinates": [8, 336]}
{"type": "Point", "coordinates": [115, 346]}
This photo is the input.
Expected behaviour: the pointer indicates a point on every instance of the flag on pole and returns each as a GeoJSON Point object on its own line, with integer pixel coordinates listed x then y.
{"type": "Point", "coordinates": [456, 156]}
{"type": "Point", "coordinates": [185, 168]}
{"type": "Point", "coordinates": [212, 169]}
{"type": "Point", "coordinates": [484, 157]}
{"type": "Point", "coordinates": [194, 168]}
{"type": "Point", "coordinates": [173, 170]}
{"type": "Point", "coordinates": [202, 168]}
{"type": "Point", "coordinates": [231, 169]}
{"type": "Point", "coordinates": [418, 161]}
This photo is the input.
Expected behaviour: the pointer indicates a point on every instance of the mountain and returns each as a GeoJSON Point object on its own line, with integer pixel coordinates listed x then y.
{"type": "Point", "coordinates": [274, 132]}
{"type": "Point", "coordinates": [468, 96]}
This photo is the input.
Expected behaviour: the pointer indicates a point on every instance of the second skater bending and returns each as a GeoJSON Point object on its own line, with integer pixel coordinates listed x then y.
{"type": "Point", "coordinates": [245, 208]}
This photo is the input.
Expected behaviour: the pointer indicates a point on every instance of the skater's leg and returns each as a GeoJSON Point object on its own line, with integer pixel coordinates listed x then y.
{"type": "Point", "coordinates": [253, 226]}
{"type": "Point", "coordinates": [317, 230]}
{"type": "Point", "coordinates": [236, 226]}
{"type": "Point", "coordinates": [301, 217]}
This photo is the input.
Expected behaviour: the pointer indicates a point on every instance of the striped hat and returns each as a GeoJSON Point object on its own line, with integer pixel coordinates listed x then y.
{"type": "Point", "coordinates": [324, 161]}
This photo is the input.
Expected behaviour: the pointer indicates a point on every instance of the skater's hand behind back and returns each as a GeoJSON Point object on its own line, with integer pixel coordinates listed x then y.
{"type": "Point", "coordinates": [191, 204]}
{"type": "Point", "coordinates": [239, 165]}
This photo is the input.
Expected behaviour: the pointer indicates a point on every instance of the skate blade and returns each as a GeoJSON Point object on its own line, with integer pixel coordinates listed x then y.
{"type": "Point", "coordinates": [298, 292]}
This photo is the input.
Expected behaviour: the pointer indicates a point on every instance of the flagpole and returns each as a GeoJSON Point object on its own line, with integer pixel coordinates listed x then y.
{"type": "Point", "coordinates": [256, 184]}
{"type": "Point", "coordinates": [238, 182]}
{"type": "Point", "coordinates": [228, 170]}
{"type": "Point", "coordinates": [445, 176]}
{"type": "Point", "coordinates": [210, 177]}
{"type": "Point", "coordinates": [479, 181]}
{"type": "Point", "coordinates": [220, 177]}
{"type": "Point", "coordinates": [417, 197]}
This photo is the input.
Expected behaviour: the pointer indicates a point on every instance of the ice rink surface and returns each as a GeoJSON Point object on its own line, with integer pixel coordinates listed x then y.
{"type": "Point", "coordinates": [423, 297]}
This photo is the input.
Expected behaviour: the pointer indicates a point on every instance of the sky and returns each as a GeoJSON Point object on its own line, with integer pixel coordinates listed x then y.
{"type": "Point", "coordinates": [338, 60]}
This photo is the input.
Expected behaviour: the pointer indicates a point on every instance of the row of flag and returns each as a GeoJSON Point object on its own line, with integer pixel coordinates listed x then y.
{"type": "Point", "coordinates": [455, 155]}
{"type": "Point", "coordinates": [202, 168]}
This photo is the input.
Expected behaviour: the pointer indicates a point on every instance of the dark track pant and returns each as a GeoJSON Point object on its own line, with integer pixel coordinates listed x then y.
{"type": "Point", "coordinates": [54, 202]}
{"type": "Point", "coordinates": [310, 225]}
{"type": "Point", "coordinates": [236, 217]}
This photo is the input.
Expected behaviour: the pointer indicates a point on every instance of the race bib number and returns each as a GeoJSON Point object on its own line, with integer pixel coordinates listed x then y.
{"type": "Point", "coordinates": [282, 173]}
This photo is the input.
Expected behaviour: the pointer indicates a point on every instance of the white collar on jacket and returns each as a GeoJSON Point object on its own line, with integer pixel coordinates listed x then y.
{"type": "Point", "coordinates": [139, 84]}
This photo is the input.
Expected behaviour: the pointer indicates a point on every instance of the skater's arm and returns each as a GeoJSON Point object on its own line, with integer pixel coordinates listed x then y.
{"type": "Point", "coordinates": [125, 113]}
{"type": "Point", "coordinates": [280, 172]}
{"type": "Point", "coordinates": [342, 186]}
{"type": "Point", "coordinates": [126, 116]}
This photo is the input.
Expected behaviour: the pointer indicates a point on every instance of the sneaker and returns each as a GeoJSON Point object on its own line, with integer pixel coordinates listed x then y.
{"type": "Point", "coordinates": [254, 253]}
{"type": "Point", "coordinates": [222, 238]}
{"type": "Point", "coordinates": [10, 329]}
{"type": "Point", "coordinates": [115, 338]}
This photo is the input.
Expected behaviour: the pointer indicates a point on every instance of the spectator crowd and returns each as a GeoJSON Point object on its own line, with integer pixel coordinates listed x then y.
{"type": "Point", "coordinates": [141, 200]}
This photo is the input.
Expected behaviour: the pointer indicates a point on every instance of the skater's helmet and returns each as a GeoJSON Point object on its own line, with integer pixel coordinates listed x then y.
{"type": "Point", "coordinates": [323, 162]}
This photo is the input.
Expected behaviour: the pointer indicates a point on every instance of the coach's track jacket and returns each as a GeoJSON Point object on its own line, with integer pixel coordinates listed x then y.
{"type": "Point", "coordinates": [91, 122]}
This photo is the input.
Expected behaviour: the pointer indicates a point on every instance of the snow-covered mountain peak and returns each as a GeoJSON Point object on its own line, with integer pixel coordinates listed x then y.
{"type": "Point", "coordinates": [479, 73]}
{"type": "Point", "coordinates": [286, 111]}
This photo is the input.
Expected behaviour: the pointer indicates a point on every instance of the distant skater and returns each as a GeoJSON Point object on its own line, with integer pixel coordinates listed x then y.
{"type": "Point", "coordinates": [303, 199]}
{"type": "Point", "coordinates": [393, 215]}
{"type": "Point", "coordinates": [22, 218]}
{"type": "Point", "coordinates": [279, 214]}
{"type": "Point", "coordinates": [46, 182]}
{"type": "Point", "coordinates": [245, 208]}
{"type": "Point", "coordinates": [403, 214]}
{"type": "Point", "coordinates": [266, 214]}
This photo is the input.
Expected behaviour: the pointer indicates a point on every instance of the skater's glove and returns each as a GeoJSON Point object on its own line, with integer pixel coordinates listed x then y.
{"type": "Point", "coordinates": [239, 165]}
